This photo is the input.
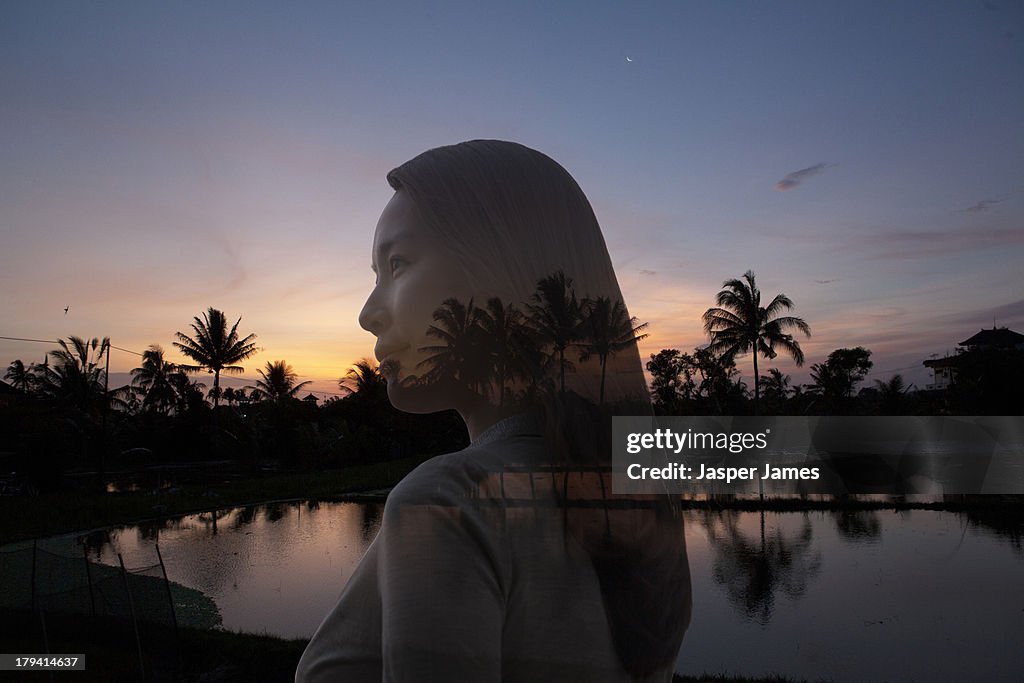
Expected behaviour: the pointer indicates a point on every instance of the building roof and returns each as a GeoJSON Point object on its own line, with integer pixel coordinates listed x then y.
{"type": "Point", "coordinates": [7, 390]}
{"type": "Point", "coordinates": [1001, 337]}
{"type": "Point", "coordinates": [947, 362]}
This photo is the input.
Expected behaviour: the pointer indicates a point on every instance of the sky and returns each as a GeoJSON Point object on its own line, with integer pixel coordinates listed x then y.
{"type": "Point", "coordinates": [866, 159]}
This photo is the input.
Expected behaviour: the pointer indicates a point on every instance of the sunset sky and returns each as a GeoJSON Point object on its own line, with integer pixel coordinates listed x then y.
{"type": "Point", "coordinates": [867, 159]}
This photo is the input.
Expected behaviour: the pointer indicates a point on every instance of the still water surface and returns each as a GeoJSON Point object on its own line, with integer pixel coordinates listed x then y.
{"type": "Point", "coordinates": [851, 596]}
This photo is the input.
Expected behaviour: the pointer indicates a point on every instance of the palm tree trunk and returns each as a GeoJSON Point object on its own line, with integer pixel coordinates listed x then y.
{"type": "Point", "coordinates": [757, 384]}
{"type": "Point", "coordinates": [604, 364]}
{"type": "Point", "coordinates": [216, 387]}
{"type": "Point", "coordinates": [561, 367]}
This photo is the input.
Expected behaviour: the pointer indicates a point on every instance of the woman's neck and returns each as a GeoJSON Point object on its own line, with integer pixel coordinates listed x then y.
{"type": "Point", "coordinates": [481, 417]}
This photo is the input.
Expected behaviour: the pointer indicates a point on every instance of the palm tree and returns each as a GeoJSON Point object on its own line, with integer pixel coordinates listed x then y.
{"type": "Point", "coordinates": [278, 383]}
{"type": "Point", "coordinates": [776, 384]}
{"type": "Point", "coordinates": [605, 331]}
{"type": "Point", "coordinates": [504, 336]}
{"type": "Point", "coordinates": [555, 316]}
{"type": "Point", "coordinates": [741, 325]}
{"type": "Point", "coordinates": [20, 377]}
{"type": "Point", "coordinates": [152, 381]}
{"type": "Point", "coordinates": [461, 357]}
{"type": "Point", "coordinates": [892, 395]}
{"type": "Point", "coordinates": [76, 375]}
{"type": "Point", "coordinates": [364, 379]}
{"type": "Point", "coordinates": [215, 347]}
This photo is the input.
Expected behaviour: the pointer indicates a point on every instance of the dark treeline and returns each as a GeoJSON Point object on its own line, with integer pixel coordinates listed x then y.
{"type": "Point", "coordinates": [60, 416]}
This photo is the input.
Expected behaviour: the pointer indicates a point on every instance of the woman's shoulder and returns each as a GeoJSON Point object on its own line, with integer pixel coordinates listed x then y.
{"type": "Point", "coordinates": [467, 475]}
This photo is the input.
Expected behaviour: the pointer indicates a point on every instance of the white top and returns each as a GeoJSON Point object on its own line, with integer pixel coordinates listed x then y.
{"type": "Point", "coordinates": [471, 578]}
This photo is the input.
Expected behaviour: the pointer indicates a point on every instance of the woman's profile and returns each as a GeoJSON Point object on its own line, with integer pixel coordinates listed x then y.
{"type": "Point", "coordinates": [512, 559]}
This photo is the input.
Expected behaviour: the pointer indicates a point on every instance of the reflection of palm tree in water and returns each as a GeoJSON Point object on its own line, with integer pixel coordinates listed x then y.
{"type": "Point", "coordinates": [369, 523]}
{"type": "Point", "coordinates": [752, 571]}
{"type": "Point", "coordinates": [858, 525]}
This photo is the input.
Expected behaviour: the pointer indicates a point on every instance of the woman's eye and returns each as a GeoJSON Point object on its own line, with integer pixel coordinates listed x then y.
{"type": "Point", "coordinates": [395, 262]}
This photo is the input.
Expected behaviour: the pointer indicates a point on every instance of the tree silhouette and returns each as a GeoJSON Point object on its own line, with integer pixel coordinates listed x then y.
{"type": "Point", "coordinates": [503, 332]}
{"type": "Point", "coordinates": [278, 382]}
{"type": "Point", "coordinates": [20, 377]}
{"type": "Point", "coordinates": [605, 330]}
{"type": "Point", "coordinates": [667, 384]}
{"type": "Point", "coordinates": [741, 325]}
{"type": "Point", "coordinates": [215, 347]}
{"type": "Point", "coordinates": [364, 379]}
{"type": "Point", "coordinates": [835, 379]}
{"type": "Point", "coordinates": [76, 375]}
{"type": "Point", "coordinates": [461, 356]}
{"type": "Point", "coordinates": [555, 316]}
{"type": "Point", "coordinates": [716, 373]}
{"type": "Point", "coordinates": [892, 395]}
{"type": "Point", "coordinates": [776, 388]}
{"type": "Point", "coordinates": [153, 383]}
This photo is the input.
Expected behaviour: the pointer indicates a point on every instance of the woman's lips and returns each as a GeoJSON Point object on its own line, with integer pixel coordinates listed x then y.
{"type": "Point", "coordinates": [384, 353]}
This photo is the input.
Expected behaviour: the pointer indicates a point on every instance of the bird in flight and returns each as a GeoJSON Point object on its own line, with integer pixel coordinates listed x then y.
{"type": "Point", "coordinates": [628, 59]}
{"type": "Point", "coordinates": [66, 309]}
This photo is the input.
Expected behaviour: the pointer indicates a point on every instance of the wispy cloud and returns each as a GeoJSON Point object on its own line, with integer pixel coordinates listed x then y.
{"type": "Point", "coordinates": [826, 282]}
{"type": "Point", "coordinates": [796, 177]}
{"type": "Point", "coordinates": [984, 205]}
{"type": "Point", "coordinates": [644, 271]}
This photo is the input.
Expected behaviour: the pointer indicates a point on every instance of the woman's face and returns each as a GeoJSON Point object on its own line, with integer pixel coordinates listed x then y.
{"type": "Point", "coordinates": [415, 274]}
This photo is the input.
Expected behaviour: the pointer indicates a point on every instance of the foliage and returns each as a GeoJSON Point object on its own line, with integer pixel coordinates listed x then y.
{"type": "Point", "coordinates": [741, 325]}
{"type": "Point", "coordinates": [699, 383]}
{"type": "Point", "coordinates": [215, 347]}
{"type": "Point", "coordinates": [278, 383]}
{"type": "Point", "coordinates": [555, 316]}
{"type": "Point", "coordinates": [836, 378]}
{"type": "Point", "coordinates": [21, 377]}
{"type": "Point", "coordinates": [157, 381]}
{"type": "Point", "coordinates": [76, 376]}
{"type": "Point", "coordinates": [605, 330]}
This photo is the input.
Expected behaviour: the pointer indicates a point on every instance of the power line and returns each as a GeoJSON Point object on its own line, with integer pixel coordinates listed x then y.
{"type": "Point", "coordinates": [41, 341]}
{"type": "Point", "coordinates": [51, 341]}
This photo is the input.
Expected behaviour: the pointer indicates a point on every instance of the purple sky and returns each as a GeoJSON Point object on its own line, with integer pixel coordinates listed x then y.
{"type": "Point", "coordinates": [863, 158]}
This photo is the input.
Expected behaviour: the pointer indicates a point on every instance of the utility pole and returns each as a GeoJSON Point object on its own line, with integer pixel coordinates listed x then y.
{"type": "Point", "coordinates": [106, 409]}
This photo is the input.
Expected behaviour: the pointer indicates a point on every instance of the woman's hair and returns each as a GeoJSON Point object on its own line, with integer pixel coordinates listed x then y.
{"type": "Point", "coordinates": [514, 216]}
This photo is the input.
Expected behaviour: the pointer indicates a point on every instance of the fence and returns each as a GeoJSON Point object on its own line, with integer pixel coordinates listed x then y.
{"type": "Point", "coordinates": [133, 606]}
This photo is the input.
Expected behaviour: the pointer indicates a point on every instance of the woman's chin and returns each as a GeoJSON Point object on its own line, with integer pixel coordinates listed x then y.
{"type": "Point", "coordinates": [416, 399]}
{"type": "Point", "coordinates": [412, 396]}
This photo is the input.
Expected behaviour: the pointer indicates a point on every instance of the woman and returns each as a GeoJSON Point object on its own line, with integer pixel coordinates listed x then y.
{"type": "Point", "coordinates": [510, 560]}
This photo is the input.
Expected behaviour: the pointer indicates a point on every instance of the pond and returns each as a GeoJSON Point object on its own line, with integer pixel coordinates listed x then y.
{"type": "Point", "coordinates": [846, 595]}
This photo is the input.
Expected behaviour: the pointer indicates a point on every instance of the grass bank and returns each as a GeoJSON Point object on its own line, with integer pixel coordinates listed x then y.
{"type": "Point", "coordinates": [190, 655]}
{"type": "Point", "coordinates": [26, 517]}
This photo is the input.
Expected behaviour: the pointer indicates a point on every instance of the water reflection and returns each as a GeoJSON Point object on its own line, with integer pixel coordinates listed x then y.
{"type": "Point", "coordinates": [1006, 527]}
{"type": "Point", "coordinates": [805, 594]}
{"type": "Point", "coordinates": [858, 526]}
{"type": "Point", "coordinates": [273, 568]}
{"type": "Point", "coordinates": [752, 570]}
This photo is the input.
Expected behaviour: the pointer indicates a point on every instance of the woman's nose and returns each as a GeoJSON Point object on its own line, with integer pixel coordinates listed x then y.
{"type": "Point", "coordinates": [373, 318]}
